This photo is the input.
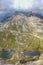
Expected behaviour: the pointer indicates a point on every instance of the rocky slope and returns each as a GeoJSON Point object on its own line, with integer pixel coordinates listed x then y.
{"type": "Point", "coordinates": [22, 33]}
{"type": "Point", "coordinates": [21, 30]}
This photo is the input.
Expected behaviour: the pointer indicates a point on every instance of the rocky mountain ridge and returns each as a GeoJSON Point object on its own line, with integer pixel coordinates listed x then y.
{"type": "Point", "coordinates": [28, 24]}
{"type": "Point", "coordinates": [21, 30]}
{"type": "Point", "coordinates": [22, 33]}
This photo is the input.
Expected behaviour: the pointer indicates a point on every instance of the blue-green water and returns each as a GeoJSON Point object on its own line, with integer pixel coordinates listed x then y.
{"type": "Point", "coordinates": [31, 53]}
{"type": "Point", "coordinates": [7, 54]}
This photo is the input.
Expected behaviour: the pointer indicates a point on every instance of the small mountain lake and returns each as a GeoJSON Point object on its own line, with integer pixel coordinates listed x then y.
{"type": "Point", "coordinates": [7, 54]}
{"type": "Point", "coordinates": [31, 53]}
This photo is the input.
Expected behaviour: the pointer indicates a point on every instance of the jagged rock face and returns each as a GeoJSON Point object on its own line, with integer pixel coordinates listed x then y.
{"type": "Point", "coordinates": [22, 32]}
{"type": "Point", "coordinates": [23, 23]}
{"type": "Point", "coordinates": [19, 21]}
{"type": "Point", "coordinates": [37, 25]}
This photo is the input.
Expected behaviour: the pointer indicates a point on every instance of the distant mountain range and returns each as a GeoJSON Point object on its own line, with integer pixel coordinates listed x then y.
{"type": "Point", "coordinates": [7, 15]}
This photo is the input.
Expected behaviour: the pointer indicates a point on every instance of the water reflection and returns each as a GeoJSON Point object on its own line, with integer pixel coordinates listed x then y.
{"type": "Point", "coordinates": [31, 53]}
{"type": "Point", "coordinates": [7, 54]}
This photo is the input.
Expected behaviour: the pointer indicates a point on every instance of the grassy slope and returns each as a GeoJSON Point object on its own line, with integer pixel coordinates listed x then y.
{"type": "Point", "coordinates": [25, 40]}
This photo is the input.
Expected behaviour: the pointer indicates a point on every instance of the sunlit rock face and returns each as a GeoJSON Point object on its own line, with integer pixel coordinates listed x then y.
{"type": "Point", "coordinates": [28, 24]}
{"type": "Point", "coordinates": [37, 26]}
{"type": "Point", "coordinates": [21, 32]}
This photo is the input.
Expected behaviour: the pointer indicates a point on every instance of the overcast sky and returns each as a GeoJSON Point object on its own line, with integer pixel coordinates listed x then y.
{"type": "Point", "coordinates": [21, 4]}
{"type": "Point", "coordinates": [6, 5]}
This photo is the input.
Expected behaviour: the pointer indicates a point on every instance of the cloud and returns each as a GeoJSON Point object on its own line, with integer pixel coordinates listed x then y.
{"type": "Point", "coordinates": [38, 6]}
{"type": "Point", "coordinates": [7, 5]}
{"type": "Point", "coordinates": [23, 4]}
